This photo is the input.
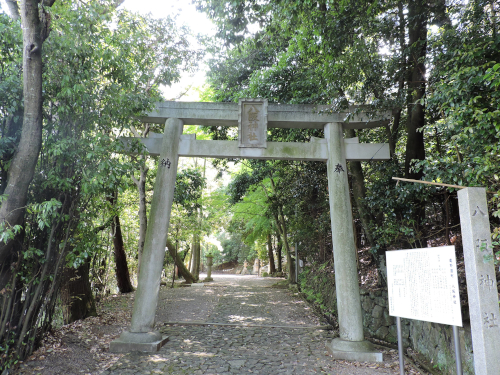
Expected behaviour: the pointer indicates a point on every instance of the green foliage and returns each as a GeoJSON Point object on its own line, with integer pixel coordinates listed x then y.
{"type": "Point", "coordinates": [234, 249]}
{"type": "Point", "coordinates": [466, 94]}
{"type": "Point", "coordinates": [189, 185]}
{"type": "Point", "coordinates": [103, 69]}
{"type": "Point", "coordinates": [7, 233]}
{"type": "Point", "coordinates": [10, 92]}
{"type": "Point", "coordinates": [317, 285]}
{"type": "Point", "coordinates": [356, 53]}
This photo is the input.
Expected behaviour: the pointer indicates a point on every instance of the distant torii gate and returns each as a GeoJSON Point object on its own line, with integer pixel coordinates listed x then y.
{"type": "Point", "coordinates": [253, 117]}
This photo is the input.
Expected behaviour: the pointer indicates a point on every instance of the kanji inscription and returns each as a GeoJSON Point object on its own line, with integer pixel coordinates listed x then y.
{"type": "Point", "coordinates": [339, 168]}
{"type": "Point", "coordinates": [423, 285]}
{"type": "Point", "coordinates": [253, 123]}
{"type": "Point", "coordinates": [486, 282]}
{"type": "Point", "coordinates": [165, 163]}
{"type": "Point", "coordinates": [490, 320]}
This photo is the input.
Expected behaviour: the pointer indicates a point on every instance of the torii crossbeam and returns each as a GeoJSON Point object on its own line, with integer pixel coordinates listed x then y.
{"type": "Point", "coordinates": [253, 117]}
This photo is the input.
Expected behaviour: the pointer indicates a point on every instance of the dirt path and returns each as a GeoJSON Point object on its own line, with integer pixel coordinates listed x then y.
{"type": "Point", "coordinates": [236, 324]}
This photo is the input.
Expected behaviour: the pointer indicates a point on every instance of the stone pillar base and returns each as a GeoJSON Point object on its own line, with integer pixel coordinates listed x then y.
{"type": "Point", "coordinates": [149, 342]}
{"type": "Point", "coordinates": [360, 351]}
{"type": "Point", "coordinates": [207, 279]}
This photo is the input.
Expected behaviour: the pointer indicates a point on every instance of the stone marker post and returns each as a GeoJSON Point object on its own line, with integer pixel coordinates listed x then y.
{"type": "Point", "coordinates": [244, 271]}
{"type": "Point", "coordinates": [256, 266]}
{"type": "Point", "coordinates": [210, 259]}
{"type": "Point", "coordinates": [351, 344]}
{"type": "Point", "coordinates": [141, 336]}
{"type": "Point", "coordinates": [481, 280]}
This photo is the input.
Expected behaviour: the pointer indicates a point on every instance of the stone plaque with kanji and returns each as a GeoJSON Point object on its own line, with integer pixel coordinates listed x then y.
{"type": "Point", "coordinates": [252, 123]}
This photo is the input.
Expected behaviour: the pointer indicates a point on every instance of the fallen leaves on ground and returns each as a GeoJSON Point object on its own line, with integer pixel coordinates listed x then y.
{"type": "Point", "coordinates": [83, 343]}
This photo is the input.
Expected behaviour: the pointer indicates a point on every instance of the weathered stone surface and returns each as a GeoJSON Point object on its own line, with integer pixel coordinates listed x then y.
{"type": "Point", "coordinates": [312, 151]}
{"type": "Point", "coordinates": [241, 349]}
{"type": "Point", "coordinates": [378, 311]}
{"type": "Point", "coordinates": [344, 252]}
{"type": "Point", "coordinates": [382, 332]}
{"type": "Point", "coordinates": [209, 269]}
{"type": "Point", "coordinates": [146, 296]}
{"type": "Point", "coordinates": [126, 343]}
{"type": "Point", "coordinates": [361, 351]}
{"type": "Point", "coordinates": [256, 267]}
{"type": "Point", "coordinates": [482, 287]}
{"type": "Point", "coordinates": [279, 115]}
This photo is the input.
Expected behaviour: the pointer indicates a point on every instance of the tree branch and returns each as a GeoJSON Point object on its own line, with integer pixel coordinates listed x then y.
{"type": "Point", "coordinates": [106, 224]}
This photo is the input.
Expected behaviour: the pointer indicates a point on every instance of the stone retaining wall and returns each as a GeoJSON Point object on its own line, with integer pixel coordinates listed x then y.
{"type": "Point", "coordinates": [433, 341]}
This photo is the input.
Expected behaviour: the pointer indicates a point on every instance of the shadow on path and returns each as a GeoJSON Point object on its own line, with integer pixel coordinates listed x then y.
{"type": "Point", "coordinates": [241, 324]}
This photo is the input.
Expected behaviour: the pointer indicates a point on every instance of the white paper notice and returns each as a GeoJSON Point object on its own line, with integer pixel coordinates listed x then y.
{"type": "Point", "coordinates": [423, 285]}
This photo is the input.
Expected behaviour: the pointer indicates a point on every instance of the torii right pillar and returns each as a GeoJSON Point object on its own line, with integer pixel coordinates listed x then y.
{"type": "Point", "coordinates": [351, 345]}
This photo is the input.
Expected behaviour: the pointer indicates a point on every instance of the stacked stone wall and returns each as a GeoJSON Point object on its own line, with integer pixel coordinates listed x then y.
{"type": "Point", "coordinates": [433, 341]}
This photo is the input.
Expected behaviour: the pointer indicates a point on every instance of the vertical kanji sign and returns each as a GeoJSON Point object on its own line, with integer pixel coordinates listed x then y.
{"type": "Point", "coordinates": [252, 123]}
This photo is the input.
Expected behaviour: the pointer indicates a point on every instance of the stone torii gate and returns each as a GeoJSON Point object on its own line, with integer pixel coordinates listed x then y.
{"type": "Point", "coordinates": [253, 117]}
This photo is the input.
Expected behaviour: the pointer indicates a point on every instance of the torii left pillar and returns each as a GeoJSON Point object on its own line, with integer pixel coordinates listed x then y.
{"type": "Point", "coordinates": [351, 345]}
{"type": "Point", "coordinates": [141, 335]}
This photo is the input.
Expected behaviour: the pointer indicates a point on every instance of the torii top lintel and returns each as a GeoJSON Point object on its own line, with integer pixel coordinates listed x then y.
{"type": "Point", "coordinates": [287, 116]}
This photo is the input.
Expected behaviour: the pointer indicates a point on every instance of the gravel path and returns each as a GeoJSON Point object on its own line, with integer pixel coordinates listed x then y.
{"type": "Point", "coordinates": [241, 324]}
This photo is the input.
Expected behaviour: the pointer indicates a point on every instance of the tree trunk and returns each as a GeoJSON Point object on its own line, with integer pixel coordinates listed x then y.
{"type": "Point", "coordinates": [143, 215]}
{"type": "Point", "coordinates": [417, 25]}
{"type": "Point", "coordinates": [141, 187]}
{"type": "Point", "coordinates": [121, 266]}
{"type": "Point", "coordinates": [35, 27]}
{"type": "Point", "coordinates": [76, 295]}
{"type": "Point", "coordinates": [194, 254]}
{"type": "Point", "coordinates": [272, 267]}
{"type": "Point", "coordinates": [359, 192]}
{"type": "Point", "coordinates": [289, 260]}
{"type": "Point", "coordinates": [190, 264]}
{"type": "Point", "coordinates": [13, 9]}
{"type": "Point", "coordinates": [281, 224]}
{"type": "Point", "coordinates": [184, 272]}
{"type": "Point", "coordinates": [197, 258]}
{"type": "Point", "coordinates": [279, 248]}
{"type": "Point", "coordinates": [392, 134]}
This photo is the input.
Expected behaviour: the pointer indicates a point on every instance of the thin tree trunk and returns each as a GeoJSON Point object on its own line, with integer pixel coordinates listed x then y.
{"type": "Point", "coordinates": [23, 163]}
{"type": "Point", "coordinates": [197, 251]}
{"type": "Point", "coordinates": [184, 272]}
{"type": "Point", "coordinates": [281, 225]}
{"type": "Point", "coordinates": [121, 266]}
{"type": "Point", "coordinates": [190, 264]}
{"type": "Point", "coordinates": [284, 234]}
{"type": "Point", "coordinates": [279, 248]}
{"type": "Point", "coordinates": [143, 216]}
{"type": "Point", "coordinates": [359, 192]}
{"type": "Point", "coordinates": [417, 25]}
{"type": "Point", "coordinates": [141, 187]}
{"type": "Point", "coordinates": [393, 133]}
{"type": "Point", "coordinates": [76, 295]}
{"type": "Point", "coordinates": [194, 254]}
{"type": "Point", "coordinates": [272, 267]}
